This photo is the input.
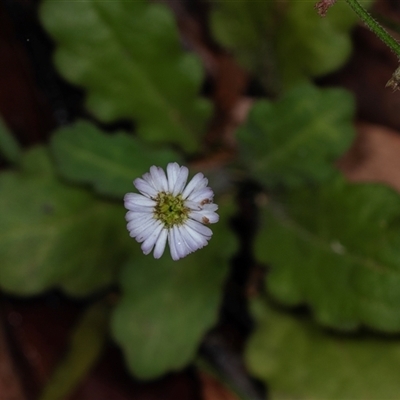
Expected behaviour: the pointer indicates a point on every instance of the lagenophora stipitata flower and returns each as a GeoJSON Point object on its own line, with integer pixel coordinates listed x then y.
{"type": "Point", "coordinates": [169, 209]}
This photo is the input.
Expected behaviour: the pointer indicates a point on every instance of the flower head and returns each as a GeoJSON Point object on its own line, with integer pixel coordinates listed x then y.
{"type": "Point", "coordinates": [168, 209]}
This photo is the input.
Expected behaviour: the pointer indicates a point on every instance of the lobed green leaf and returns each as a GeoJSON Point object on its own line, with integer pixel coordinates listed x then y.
{"type": "Point", "coordinates": [108, 163]}
{"type": "Point", "coordinates": [336, 248]}
{"type": "Point", "coordinates": [167, 306]}
{"type": "Point", "coordinates": [128, 57]}
{"type": "Point", "coordinates": [284, 43]}
{"type": "Point", "coordinates": [299, 360]}
{"type": "Point", "coordinates": [295, 140]}
{"type": "Point", "coordinates": [54, 235]}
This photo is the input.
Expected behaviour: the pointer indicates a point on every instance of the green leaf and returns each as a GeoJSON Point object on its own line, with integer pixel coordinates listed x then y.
{"type": "Point", "coordinates": [54, 235]}
{"type": "Point", "coordinates": [337, 249]}
{"type": "Point", "coordinates": [299, 360]}
{"type": "Point", "coordinates": [108, 163]}
{"type": "Point", "coordinates": [9, 147]}
{"type": "Point", "coordinates": [85, 347]}
{"type": "Point", "coordinates": [308, 45]}
{"type": "Point", "coordinates": [284, 42]}
{"type": "Point", "coordinates": [167, 306]}
{"type": "Point", "coordinates": [296, 139]}
{"type": "Point", "coordinates": [128, 57]}
{"type": "Point", "coordinates": [247, 28]}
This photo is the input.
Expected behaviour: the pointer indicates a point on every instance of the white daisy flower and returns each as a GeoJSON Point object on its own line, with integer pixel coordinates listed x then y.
{"type": "Point", "coordinates": [168, 209]}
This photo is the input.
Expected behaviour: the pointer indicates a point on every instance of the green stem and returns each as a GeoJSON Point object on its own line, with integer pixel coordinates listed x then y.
{"type": "Point", "coordinates": [372, 24]}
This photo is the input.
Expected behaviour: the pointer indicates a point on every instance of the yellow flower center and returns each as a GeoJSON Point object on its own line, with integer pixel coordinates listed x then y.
{"type": "Point", "coordinates": [170, 210]}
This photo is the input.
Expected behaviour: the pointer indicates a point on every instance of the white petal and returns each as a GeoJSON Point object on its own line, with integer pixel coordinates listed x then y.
{"type": "Point", "coordinates": [191, 244]}
{"type": "Point", "coordinates": [203, 230]}
{"type": "Point", "coordinates": [145, 188]}
{"type": "Point", "coordinates": [172, 172]}
{"type": "Point", "coordinates": [204, 217]}
{"type": "Point", "coordinates": [180, 244]}
{"type": "Point", "coordinates": [148, 231]}
{"type": "Point", "coordinates": [193, 206]}
{"type": "Point", "coordinates": [204, 194]}
{"type": "Point", "coordinates": [136, 229]}
{"type": "Point", "coordinates": [172, 248]}
{"type": "Point", "coordinates": [160, 244]}
{"type": "Point", "coordinates": [149, 243]}
{"type": "Point", "coordinates": [197, 182]}
{"type": "Point", "coordinates": [139, 200]}
{"type": "Point", "coordinates": [131, 206]}
{"type": "Point", "coordinates": [180, 181]}
{"type": "Point", "coordinates": [131, 215]}
{"type": "Point", "coordinates": [197, 238]}
{"type": "Point", "coordinates": [138, 222]}
{"type": "Point", "coordinates": [148, 178]}
{"type": "Point", "coordinates": [159, 178]}
{"type": "Point", "coordinates": [210, 207]}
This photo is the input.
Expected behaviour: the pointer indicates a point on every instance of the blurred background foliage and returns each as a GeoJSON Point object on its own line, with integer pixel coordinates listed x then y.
{"type": "Point", "coordinates": [304, 261]}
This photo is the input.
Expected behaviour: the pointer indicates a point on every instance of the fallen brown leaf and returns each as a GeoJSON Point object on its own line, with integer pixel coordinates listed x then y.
{"type": "Point", "coordinates": [374, 156]}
